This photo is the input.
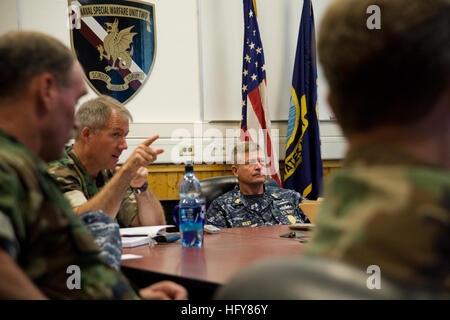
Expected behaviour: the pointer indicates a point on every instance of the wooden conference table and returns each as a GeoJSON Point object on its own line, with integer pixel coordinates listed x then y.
{"type": "Point", "coordinates": [221, 257]}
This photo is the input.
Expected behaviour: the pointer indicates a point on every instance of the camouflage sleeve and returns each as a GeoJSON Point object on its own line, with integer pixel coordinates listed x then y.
{"type": "Point", "coordinates": [99, 282]}
{"type": "Point", "coordinates": [67, 179]}
{"type": "Point", "coordinates": [7, 238]}
{"type": "Point", "coordinates": [9, 215]}
{"type": "Point", "coordinates": [98, 279]}
{"type": "Point", "coordinates": [40, 231]}
{"type": "Point", "coordinates": [216, 215]}
{"type": "Point", "coordinates": [128, 210]}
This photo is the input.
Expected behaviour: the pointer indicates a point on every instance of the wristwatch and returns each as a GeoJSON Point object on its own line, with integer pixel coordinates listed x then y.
{"type": "Point", "coordinates": [140, 189]}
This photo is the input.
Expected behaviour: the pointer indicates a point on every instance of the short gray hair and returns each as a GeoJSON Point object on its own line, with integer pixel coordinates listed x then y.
{"type": "Point", "coordinates": [95, 113]}
{"type": "Point", "coordinates": [243, 148]}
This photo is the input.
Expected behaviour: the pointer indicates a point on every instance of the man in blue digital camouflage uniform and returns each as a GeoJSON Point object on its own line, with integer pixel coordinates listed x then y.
{"type": "Point", "coordinates": [251, 203]}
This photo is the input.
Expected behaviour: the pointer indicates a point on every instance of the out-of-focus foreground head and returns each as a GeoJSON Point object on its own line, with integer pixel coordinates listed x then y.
{"type": "Point", "coordinates": [40, 84]}
{"type": "Point", "coordinates": [26, 54]}
{"type": "Point", "coordinates": [388, 76]}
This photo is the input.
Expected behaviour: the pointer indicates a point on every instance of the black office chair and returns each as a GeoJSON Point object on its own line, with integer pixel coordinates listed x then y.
{"type": "Point", "coordinates": [306, 278]}
{"type": "Point", "coordinates": [216, 186]}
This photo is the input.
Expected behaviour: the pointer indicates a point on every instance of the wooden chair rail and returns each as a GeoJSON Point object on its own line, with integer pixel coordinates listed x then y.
{"type": "Point", "coordinates": [163, 179]}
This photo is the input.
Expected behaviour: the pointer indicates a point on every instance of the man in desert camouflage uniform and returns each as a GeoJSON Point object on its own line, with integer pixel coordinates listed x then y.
{"type": "Point", "coordinates": [389, 205]}
{"type": "Point", "coordinates": [87, 175]}
{"type": "Point", "coordinates": [41, 239]}
{"type": "Point", "coordinates": [251, 203]}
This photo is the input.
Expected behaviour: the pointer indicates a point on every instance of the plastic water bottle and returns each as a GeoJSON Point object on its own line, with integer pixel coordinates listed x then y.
{"type": "Point", "coordinates": [192, 209]}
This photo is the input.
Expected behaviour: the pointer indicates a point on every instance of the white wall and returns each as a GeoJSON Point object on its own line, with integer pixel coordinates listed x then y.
{"type": "Point", "coordinates": [172, 92]}
{"type": "Point", "coordinates": [8, 16]}
{"type": "Point", "coordinates": [196, 78]}
{"type": "Point", "coordinates": [222, 28]}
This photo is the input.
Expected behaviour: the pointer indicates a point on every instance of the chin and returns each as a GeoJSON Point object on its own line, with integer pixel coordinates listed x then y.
{"type": "Point", "coordinates": [258, 181]}
{"type": "Point", "coordinates": [113, 165]}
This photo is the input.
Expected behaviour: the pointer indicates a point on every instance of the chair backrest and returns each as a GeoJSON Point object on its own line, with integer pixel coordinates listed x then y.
{"type": "Point", "coordinates": [310, 208]}
{"type": "Point", "coordinates": [216, 186]}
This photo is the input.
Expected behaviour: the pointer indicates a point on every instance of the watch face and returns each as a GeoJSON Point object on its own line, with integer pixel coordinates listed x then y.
{"type": "Point", "coordinates": [136, 190]}
{"type": "Point", "coordinates": [140, 189]}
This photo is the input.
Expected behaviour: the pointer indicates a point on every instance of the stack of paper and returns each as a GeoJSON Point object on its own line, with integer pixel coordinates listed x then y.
{"type": "Point", "coordinates": [146, 232]}
{"type": "Point", "coordinates": [130, 256]}
{"type": "Point", "coordinates": [129, 242]}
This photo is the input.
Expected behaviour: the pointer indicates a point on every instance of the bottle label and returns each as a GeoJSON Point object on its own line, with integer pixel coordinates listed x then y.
{"type": "Point", "coordinates": [191, 226]}
{"type": "Point", "coordinates": [192, 215]}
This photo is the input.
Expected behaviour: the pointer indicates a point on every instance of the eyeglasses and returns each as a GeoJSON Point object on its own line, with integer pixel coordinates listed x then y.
{"type": "Point", "coordinates": [255, 161]}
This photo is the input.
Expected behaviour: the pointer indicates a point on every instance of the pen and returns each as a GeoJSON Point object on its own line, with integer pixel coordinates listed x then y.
{"type": "Point", "coordinates": [134, 235]}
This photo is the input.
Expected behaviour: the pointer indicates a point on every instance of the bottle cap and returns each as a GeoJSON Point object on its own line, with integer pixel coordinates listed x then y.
{"type": "Point", "coordinates": [189, 167]}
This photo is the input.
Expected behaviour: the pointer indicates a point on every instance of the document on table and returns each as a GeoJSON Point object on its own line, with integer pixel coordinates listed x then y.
{"type": "Point", "coordinates": [130, 256]}
{"type": "Point", "coordinates": [150, 231]}
{"type": "Point", "coordinates": [130, 242]}
{"type": "Point", "coordinates": [130, 236]}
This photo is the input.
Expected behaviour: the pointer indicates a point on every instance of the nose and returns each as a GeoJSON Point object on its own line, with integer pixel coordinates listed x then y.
{"type": "Point", "coordinates": [259, 164]}
{"type": "Point", "coordinates": [123, 144]}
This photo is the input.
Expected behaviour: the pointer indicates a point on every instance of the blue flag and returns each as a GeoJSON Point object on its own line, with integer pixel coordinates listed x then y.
{"type": "Point", "coordinates": [303, 163]}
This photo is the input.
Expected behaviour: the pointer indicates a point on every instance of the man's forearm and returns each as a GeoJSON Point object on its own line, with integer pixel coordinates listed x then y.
{"type": "Point", "coordinates": [14, 283]}
{"type": "Point", "coordinates": [110, 196]}
{"type": "Point", "coordinates": [150, 211]}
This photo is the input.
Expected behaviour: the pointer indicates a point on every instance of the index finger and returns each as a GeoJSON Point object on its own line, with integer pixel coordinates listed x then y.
{"type": "Point", "coordinates": [149, 141]}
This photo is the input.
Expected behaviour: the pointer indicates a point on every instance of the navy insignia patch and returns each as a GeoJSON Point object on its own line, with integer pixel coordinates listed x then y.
{"type": "Point", "coordinates": [115, 42]}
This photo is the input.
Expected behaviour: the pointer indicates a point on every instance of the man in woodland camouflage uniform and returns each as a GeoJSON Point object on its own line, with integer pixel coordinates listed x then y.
{"type": "Point", "coordinates": [87, 175]}
{"type": "Point", "coordinates": [252, 203]}
{"type": "Point", "coordinates": [41, 238]}
{"type": "Point", "coordinates": [389, 205]}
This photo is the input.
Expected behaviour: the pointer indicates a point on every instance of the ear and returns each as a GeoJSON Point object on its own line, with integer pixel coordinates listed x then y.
{"type": "Point", "coordinates": [85, 134]}
{"type": "Point", "coordinates": [234, 169]}
{"type": "Point", "coordinates": [46, 91]}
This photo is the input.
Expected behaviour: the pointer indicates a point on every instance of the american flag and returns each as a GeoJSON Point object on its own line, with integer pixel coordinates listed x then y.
{"type": "Point", "coordinates": [255, 123]}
